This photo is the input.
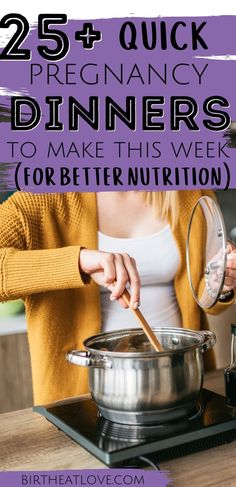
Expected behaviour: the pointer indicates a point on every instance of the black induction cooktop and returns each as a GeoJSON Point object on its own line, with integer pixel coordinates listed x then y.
{"type": "Point", "coordinates": [211, 424]}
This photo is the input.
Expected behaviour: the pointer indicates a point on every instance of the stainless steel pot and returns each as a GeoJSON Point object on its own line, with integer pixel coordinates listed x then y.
{"type": "Point", "coordinates": [133, 384]}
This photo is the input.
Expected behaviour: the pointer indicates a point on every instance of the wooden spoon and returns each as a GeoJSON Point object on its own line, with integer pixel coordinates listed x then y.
{"type": "Point", "coordinates": [146, 328]}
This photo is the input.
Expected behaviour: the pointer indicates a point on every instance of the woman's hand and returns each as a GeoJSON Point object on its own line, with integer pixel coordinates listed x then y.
{"type": "Point", "coordinates": [105, 268]}
{"type": "Point", "coordinates": [230, 275]}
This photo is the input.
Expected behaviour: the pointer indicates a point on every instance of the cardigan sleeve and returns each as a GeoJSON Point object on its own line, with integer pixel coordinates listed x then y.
{"type": "Point", "coordinates": [24, 271]}
{"type": "Point", "coordinates": [219, 307]}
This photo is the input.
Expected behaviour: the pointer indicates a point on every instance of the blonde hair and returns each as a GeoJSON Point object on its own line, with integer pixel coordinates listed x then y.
{"type": "Point", "coordinates": [165, 204]}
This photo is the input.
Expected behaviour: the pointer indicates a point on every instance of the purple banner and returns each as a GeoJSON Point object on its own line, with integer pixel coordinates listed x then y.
{"type": "Point", "coordinates": [119, 104]}
{"type": "Point", "coordinates": [79, 478]}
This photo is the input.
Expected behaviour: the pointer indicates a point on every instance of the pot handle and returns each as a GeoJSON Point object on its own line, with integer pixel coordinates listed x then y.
{"type": "Point", "coordinates": [209, 340]}
{"type": "Point", "coordinates": [83, 358]}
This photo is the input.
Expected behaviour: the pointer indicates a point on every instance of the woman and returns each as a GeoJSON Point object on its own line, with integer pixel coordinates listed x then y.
{"type": "Point", "coordinates": [49, 257]}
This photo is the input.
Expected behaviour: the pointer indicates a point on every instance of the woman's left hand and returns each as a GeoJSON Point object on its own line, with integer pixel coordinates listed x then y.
{"type": "Point", "coordinates": [230, 274]}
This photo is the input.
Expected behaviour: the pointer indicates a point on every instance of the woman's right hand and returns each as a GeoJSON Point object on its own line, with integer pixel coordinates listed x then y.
{"type": "Point", "coordinates": [113, 271]}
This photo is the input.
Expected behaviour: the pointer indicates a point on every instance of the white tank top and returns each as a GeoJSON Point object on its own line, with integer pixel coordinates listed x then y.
{"type": "Point", "coordinates": [157, 260]}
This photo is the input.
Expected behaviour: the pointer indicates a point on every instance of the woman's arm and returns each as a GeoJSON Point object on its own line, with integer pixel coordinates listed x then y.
{"type": "Point", "coordinates": [24, 272]}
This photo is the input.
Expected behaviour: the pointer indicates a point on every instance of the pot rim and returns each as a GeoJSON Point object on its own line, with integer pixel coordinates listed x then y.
{"type": "Point", "coordinates": [124, 331]}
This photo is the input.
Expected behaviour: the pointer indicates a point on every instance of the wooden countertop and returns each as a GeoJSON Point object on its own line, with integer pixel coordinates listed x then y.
{"type": "Point", "coordinates": [29, 442]}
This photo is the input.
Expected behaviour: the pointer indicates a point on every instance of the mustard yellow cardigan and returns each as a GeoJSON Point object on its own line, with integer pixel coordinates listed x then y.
{"type": "Point", "coordinates": [40, 241]}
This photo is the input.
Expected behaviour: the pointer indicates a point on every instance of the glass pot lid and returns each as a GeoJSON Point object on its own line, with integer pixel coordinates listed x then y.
{"type": "Point", "coordinates": [206, 249]}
